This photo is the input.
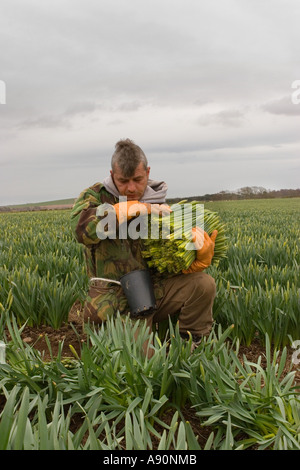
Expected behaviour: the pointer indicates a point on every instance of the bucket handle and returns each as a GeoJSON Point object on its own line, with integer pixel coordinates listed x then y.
{"type": "Point", "coordinates": [104, 279]}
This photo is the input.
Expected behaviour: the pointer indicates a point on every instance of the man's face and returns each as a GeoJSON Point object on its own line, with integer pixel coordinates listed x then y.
{"type": "Point", "coordinates": [132, 187]}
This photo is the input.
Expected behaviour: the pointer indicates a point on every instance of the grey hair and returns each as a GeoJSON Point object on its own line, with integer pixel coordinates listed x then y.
{"type": "Point", "coordinates": [128, 156]}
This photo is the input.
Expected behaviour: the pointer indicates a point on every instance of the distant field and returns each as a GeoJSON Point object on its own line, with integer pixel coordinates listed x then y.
{"type": "Point", "coordinates": [58, 202]}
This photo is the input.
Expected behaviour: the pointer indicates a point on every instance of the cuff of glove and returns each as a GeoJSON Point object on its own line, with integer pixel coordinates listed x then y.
{"type": "Point", "coordinates": [196, 267]}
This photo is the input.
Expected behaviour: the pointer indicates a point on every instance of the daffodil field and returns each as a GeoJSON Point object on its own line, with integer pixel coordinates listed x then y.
{"type": "Point", "coordinates": [259, 282]}
{"type": "Point", "coordinates": [126, 401]}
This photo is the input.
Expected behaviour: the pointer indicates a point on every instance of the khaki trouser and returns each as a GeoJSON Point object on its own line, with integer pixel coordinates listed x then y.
{"type": "Point", "coordinates": [191, 297]}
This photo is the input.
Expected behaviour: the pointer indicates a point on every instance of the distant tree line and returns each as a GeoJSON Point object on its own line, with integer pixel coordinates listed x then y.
{"type": "Point", "coordinates": [247, 192]}
{"type": "Point", "coordinates": [32, 208]}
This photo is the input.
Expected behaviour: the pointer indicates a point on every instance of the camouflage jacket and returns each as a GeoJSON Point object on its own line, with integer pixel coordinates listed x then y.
{"type": "Point", "coordinates": [106, 258]}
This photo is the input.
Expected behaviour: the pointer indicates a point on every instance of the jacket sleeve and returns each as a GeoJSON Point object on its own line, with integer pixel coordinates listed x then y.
{"type": "Point", "coordinates": [83, 216]}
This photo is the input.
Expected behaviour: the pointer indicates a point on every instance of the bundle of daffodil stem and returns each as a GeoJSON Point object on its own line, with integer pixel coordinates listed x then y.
{"type": "Point", "coordinates": [169, 247]}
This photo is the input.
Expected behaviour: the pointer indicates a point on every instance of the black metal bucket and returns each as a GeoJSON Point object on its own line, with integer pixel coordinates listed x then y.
{"type": "Point", "coordinates": [138, 288]}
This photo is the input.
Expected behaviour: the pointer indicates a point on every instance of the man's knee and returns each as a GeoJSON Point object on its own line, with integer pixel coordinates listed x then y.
{"type": "Point", "coordinates": [210, 285]}
{"type": "Point", "coordinates": [204, 284]}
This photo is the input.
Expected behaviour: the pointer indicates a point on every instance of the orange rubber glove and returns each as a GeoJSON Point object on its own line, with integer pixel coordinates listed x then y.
{"type": "Point", "coordinates": [205, 245]}
{"type": "Point", "coordinates": [126, 210]}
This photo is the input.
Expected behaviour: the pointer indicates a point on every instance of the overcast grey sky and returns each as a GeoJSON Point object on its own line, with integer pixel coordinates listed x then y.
{"type": "Point", "coordinates": [204, 87]}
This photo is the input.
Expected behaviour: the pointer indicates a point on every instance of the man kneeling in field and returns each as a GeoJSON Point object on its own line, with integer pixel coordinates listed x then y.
{"type": "Point", "coordinates": [189, 295]}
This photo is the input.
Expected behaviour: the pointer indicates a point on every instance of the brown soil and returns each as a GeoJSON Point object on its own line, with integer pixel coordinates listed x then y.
{"type": "Point", "coordinates": [75, 336]}
{"type": "Point", "coordinates": [67, 335]}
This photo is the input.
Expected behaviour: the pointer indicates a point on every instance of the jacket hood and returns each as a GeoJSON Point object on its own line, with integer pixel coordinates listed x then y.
{"type": "Point", "coordinates": [155, 192]}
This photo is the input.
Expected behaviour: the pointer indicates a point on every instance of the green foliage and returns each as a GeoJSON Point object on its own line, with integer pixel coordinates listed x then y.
{"type": "Point", "coordinates": [258, 284]}
{"type": "Point", "coordinates": [41, 267]}
{"type": "Point", "coordinates": [123, 397]}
